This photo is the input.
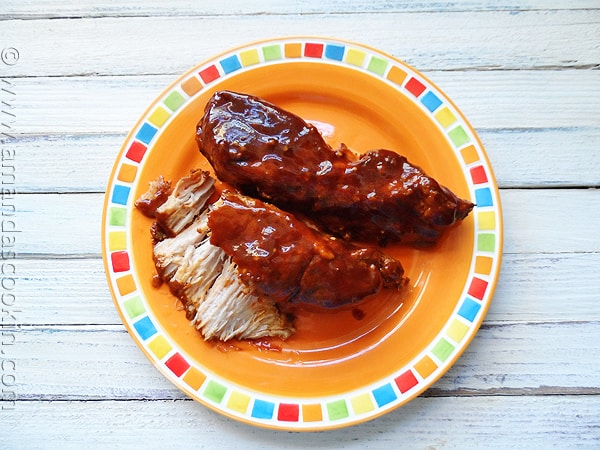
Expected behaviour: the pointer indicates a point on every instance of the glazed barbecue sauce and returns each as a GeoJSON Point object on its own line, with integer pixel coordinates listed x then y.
{"type": "Point", "coordinates": [272, 154]}
{"type": "Point", "coordinates": [284, 259]}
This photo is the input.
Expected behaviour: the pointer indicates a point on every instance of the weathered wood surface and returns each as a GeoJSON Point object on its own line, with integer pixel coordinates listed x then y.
{"type": "Point", "coordinates": [456, 41]}
{"type": "Point", "coordinates": [32, 9]}
{"type": "Point", "coordinates": [529, 422]}
{"type": "Point", "coordinates": [75, 292]}
{"type": "Point", "coordinates": [521, 158]}
{"type": "Point", "coordinates": [541, 130]}
{"type": "Point", "coordinates": [536, 221]}
{"type": "Point", "coordinates": [80, 362]}
{"type": "Point", "coordinates": [525, 75]}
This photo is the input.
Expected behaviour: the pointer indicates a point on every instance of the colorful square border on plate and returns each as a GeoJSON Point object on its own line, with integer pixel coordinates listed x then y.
{"type": "Point", "coordinates": [300, 413]}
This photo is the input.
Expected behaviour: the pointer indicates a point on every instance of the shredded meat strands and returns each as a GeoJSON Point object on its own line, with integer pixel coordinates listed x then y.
{"type": "Point", "coordinates": [200, 274]}
{"type": "Point", "coordinates": [240, 266]}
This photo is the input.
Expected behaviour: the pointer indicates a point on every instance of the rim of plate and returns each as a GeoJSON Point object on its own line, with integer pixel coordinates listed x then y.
{"type": "Point", "coordinates": [326, 412]}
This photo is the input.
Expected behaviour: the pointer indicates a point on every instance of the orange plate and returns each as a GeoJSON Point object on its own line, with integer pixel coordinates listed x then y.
{"type": "Point", "coordinates": [344, 367]}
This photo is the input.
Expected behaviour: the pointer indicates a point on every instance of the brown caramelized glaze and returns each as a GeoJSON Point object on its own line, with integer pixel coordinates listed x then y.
{"type": "Point", "coordinates": [272, 154]}
{"type": "Point", "coordinates": [284, 259]}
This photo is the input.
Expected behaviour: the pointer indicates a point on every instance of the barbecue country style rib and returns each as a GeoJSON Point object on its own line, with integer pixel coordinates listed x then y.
{"type": "Point", "coordinates": [285, 260]}
{"type": "Point", "coordinates": [272, 154]}
{"type": "Point", "coordinates": [200, 274]}
{"type": "Point", "coordinates": [240, 266]}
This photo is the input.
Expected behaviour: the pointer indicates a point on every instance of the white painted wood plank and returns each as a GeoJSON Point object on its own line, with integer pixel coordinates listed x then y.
{"type": "Point", "coordinates": [549, 221]}
{"type": "Point", "coordinates": [547, 287]}
{"type": "Point", "coordinates": [62, 291]}
{"type": "Point", "coordinates": [519, 157]}
{"type": "Point", "coordinates": [77, 163]}
{"type": "Point", "coordinates": [526, 99]}
{"type": "Point", "coordinates": [541, 157]}
{"type": "Point", "coordinates": [425, 423]}
{"type": "Point", "coordinates": [92, 104]}
{"type": "Point", "coordinates": [93, 362]}
{"type": "Point", "coordinates": [528, 358]}
{"type": "Point", "coordinates": [150, 45]}
{"type": "Point", "coordinates": [523, 150]}
{"type": "Point", "coordinates": [122, 8]}
{"type": "Point", "coordinates": [536, 221]}
{"type": "Point", "coordinates": [75, 291]}
{"type": "Point", "coordinates": [60, 224]}
{"type": "Point", "coordinates": [548, 100]}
